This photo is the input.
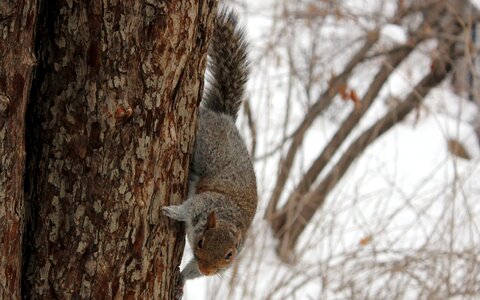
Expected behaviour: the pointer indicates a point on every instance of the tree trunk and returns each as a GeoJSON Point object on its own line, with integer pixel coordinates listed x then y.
{"type": "Point", "coordinates": [17, 21]}
{"type": "Point", "coordinates": [110, 127]}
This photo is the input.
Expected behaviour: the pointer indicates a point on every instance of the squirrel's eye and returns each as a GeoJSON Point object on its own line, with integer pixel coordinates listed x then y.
{"type": "Point", "coordinates": [229, 255]}
{"type": "Point", "coordinates": [200, 243]}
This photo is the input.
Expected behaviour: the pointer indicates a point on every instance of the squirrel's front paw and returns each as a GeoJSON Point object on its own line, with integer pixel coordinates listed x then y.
{"type": "Point", "coordinates": [178, 291]}
{"type": "Point", "coordinates": [174, 211]}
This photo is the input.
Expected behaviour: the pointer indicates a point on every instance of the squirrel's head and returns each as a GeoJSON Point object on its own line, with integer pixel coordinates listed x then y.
{"type": "Point", "coordinates": [216, 248]}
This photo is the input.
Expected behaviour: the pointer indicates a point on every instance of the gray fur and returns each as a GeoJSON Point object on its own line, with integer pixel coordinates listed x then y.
{"type": "Point", "coordinates": [222, 178]}
{"type": "Point", "coordinates": [228, 66]}
{"type": "Point", "coordinates": [190, 271]}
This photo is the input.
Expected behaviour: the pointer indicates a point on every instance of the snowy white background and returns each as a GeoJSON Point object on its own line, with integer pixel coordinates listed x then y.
{"type": "Point", "coordinates": [405, 198]}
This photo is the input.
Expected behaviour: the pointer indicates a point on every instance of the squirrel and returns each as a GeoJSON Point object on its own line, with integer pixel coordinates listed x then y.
{"type": "Point", "coordinates": [222, 196]}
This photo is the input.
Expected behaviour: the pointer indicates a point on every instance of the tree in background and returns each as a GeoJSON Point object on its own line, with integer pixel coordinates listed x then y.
{"type": "Point", "coordinates": [440, 23]}
{"type": "Point", "coordinates": [335, 79]}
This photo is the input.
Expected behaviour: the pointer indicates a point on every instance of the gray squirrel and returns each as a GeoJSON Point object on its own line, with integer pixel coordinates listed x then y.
{"type": "Point", "coordinates": [222, 197]}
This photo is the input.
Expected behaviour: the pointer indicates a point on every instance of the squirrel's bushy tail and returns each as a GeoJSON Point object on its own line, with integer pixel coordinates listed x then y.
{"type": "Point", "coordinates": [228, 66]}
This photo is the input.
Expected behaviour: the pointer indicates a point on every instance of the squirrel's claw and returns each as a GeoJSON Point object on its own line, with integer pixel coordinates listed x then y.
{"type": "Point", "coordinates": [178, 290]}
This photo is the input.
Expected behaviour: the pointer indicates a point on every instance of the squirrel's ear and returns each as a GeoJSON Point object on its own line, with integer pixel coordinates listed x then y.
{"type": "Point", "coordinates": [238, 238]}
{"type": "Point", "coordinates": [211, 221]}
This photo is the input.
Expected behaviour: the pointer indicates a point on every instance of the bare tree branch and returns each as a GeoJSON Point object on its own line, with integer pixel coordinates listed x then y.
{"type": "Point", "coordinates": [251, 126]}
{"type": "Point", "coordinates": [296, 219]}
{"type": "Point", "coordinates": [323, 102]}
{"type": "Point", "coordinates": [388, 66]}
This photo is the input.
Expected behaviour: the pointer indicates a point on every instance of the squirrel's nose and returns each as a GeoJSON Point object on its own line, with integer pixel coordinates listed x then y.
{"type": "Point", "coordinates": [206, 271]}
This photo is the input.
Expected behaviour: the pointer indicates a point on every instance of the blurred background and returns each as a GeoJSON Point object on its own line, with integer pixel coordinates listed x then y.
{"type": "Point", "coordinates": [364, 124]}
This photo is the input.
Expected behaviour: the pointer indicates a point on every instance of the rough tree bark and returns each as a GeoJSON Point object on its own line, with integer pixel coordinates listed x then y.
{"type": "Point", "coordinates": [17, 21]}
{"type": "Point", "coordinates": [110, 126]}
